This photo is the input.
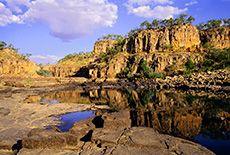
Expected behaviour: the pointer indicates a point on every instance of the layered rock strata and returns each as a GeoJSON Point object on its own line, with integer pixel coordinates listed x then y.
{"type": "Point", "coordinates": [105, 134]}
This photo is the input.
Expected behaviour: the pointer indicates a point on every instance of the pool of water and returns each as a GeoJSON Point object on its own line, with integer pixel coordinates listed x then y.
{"type": "Point", "coordinates": [200, 117]}
{"type": "Point", "coordinates": [69, 119]}
{"type": "Point", "coordinates": [50, 101]}
{"type": "Point", "coordinates": [219, 145]}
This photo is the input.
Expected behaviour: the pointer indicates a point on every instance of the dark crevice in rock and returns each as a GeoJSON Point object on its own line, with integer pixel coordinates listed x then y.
{"type": "Point", "coordinates": [98, 122]}
{"type": "Point", "coordinates": [87, 137]}
{"type": "Point", "coordinates": [17, 147]}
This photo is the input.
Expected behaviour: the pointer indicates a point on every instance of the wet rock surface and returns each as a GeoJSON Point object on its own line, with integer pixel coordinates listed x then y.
{"type": "Point", "coordinates": [214, 81]}
{"type": "Point", "coordinates": [108, 140]}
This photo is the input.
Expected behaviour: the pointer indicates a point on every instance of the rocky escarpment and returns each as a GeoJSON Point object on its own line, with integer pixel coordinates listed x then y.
{"type": "Point", "coordinates": [102, 46]}
{"type": "Point", "coordinates": [12, 63]}
{"type": "Point", "coordinates": [166, 49]}
{"type": "Point", "coordinates": [217, 37]}
{"type": "Point", "coordinates": [77, 66]}
{"type": "Point", "coordinates": [109, 133]}
{"type": "Point", "coordinates": [163, 48]}
{"type": "Point", "coordinates": [184, 37]}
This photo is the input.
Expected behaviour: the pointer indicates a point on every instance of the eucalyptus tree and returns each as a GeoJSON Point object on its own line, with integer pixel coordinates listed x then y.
{"type": "Point", "coordinates": [155, 23]}
{"type": "Point", "coordinates": [146, 24]}
{"type": "Point", "coordinates": [190, 19]}
{"type": "Point", "coordinates": [182, 17]}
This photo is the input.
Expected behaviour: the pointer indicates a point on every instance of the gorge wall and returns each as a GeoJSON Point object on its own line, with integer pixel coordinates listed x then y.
{"type": "Point", "coordinates": [162, 47]}
{"type": "Point", "coordinates": [13, 64]}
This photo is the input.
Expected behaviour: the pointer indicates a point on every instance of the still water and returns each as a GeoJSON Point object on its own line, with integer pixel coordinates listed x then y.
{"type": "Point", "coordinates": [197, 116]}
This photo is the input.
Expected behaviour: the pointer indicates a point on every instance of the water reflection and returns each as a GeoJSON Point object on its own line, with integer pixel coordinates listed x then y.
{"type": "Point", "coordinates": [201, 117]}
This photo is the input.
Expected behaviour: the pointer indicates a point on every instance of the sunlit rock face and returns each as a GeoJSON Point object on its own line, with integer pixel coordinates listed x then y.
{"type": "Point", "coordinates": [217, 37]}
{"type": "Point", "coordinates": [12, 63]}
{"type": "Point", "coordinates": [184, 36]}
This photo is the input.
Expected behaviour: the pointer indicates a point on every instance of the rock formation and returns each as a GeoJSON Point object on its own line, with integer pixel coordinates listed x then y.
{"type": "Point", "coordinates": [12, 63]}
{"type": "Point", "coordinates": [217, 37]}
{"type": "Point", "coordinates": [183, 37]}
{"type": "Point", "coordinates": [109, 133]}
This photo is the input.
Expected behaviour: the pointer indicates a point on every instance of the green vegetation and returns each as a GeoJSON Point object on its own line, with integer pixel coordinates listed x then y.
{"type": "Point", "coordinates": [170, 46]}
{"type": "Point", "coordinates": [168, 22]}
{"type": "Point", "coordinates": [26, 56]}
{"type": "Point", "coordinates": [216, 60]}
{"type": "Point", "coordinates": [44, 73]}
{"type": "Point", "coordinates": [213, 60]}
{"type": "Point", "coordinates": [111, 37]}
{"type": "Point", "coordinates": [4, 45]}
{"type": "Point", "coordinates": [213, 23]}
{"type": "Point", "coordinates": [71, 56]}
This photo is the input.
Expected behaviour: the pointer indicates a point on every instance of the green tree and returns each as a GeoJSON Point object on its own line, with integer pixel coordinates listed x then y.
{"type": "Point", "coordinates": [201, 26]}
{"type": "Point", "coordinates": [170, 22]}
{"type": "Point", "coordinates": [182, 17]}
{"type": "Point", "coordinates": [164, 22]}
{"type": "Point", "coordinates": [146, 24]}
{"type": "Point", "coordinates": [190, 19]}
{"type": "Point", "coordinates": [177, 21]}
{"type": "Point", "coordinates": [2, 44]}
{"type": "Point", "coordinates": [226, 22]}
{"type": "Point", "coordinates": [155, 23]}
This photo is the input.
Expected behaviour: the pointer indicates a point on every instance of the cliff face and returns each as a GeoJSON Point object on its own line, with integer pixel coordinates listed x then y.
{"type": "Point", "coordinates": [179, 36]}
{"type": "Point", "coordinates": [102, 46]}
{"type": "Point", "coordinates": [218, 37]}
{"type": "Point", "coordinates": [76, 66]}
{"type": "Point", "coordinates": [12, 63]}
{"type": "Point", "coordinates": [164, 48]}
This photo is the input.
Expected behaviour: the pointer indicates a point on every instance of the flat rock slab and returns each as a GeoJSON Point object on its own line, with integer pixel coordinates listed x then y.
{"type": "Point", "coordinates": [106, 135]}
{"type": "Point", "coordinates": [25, 151]}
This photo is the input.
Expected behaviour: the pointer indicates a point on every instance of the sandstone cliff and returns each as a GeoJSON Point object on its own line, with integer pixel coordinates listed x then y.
{"type": "Point", "coordinates": [164, 48]}
{"type": "Point", "coordinates": [12, 63]}
{"type": "Point", "coordinates": [217, 37]}
{"type": "Point", "coordinates": [76, 66]}
{"type": "Point", "coordinates": [184, 37]}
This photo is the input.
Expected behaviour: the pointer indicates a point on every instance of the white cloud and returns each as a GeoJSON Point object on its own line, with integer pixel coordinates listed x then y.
{"type": "Point", "coordinates": [191, 3]}
{"type": "Point", "coordinates": [48, 59]}
{"type": "Point", "coordinates": [143, 2]}
{"type": "Point", "coordinates": [153, 8]}
{"type": "Point", "coordinates": [67, 19]}
{"type": "Point", "coordinates": [7, 17]}
{"type": "Point", "coordinates": [15, 5]}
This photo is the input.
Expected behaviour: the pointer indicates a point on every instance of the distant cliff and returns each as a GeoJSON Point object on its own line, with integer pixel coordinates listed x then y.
{"type": "Point", "coordinates": [163, 48]}
{"type": "Point", "coordinates": [14, 64]}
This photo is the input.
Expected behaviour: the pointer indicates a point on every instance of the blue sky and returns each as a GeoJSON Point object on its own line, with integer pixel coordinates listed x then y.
{"type": "Point", "coordinates": [51, 29]}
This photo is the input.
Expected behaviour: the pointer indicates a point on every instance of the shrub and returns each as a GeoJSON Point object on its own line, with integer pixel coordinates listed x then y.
{"type": "Point", "coordinates": [102, 54]}
{"type": "Point", "coordinates": [158, 75]}
{"type": "Point", "coordinates": [207, 45]}
{"type": "Point", "coordinates": [44, 73]}
{"type": "Point", "coordinates": [170, 46]}
{"type": "Point", "coordinates": [189, 65]}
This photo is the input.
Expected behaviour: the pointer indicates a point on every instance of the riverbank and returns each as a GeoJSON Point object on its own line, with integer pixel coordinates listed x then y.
{"type": "Point", "coordinates": [19, 118]}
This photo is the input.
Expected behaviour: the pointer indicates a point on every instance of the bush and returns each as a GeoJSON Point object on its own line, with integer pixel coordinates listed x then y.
{"type": "Point", "coordinates": [189, 65]}
{"type": "Point", "coordinates": [44, 73]}
{"type": "Point", "coordinates": [102, 54]}
{"type": "Point", "coordinates": [158, 75]}
{"type": "Point", "coordinates": [170, 46]}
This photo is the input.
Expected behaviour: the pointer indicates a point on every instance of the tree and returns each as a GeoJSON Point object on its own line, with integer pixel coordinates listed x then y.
{"type": "Point", "coordinates": [226, 22]}
{"type": "Point", "coordinates": [213, 23]}
{"type": "Point", "coordinates": [182, 19]}
{"type": "Point", "coordinates": [164, 22]}
{"type": "Point", "coordinates": [190, 19]}
{"type": "Point", "coordinates": [170, 22]}
{"type": "Point", "coordinates": [200, 26]}
{"type": "Point", "coordinates": [177, 21]}
{"type": "Point", "coordinates": [155, 23]}
{"type": "Point", "coordinates": [146, 24]}
{"type": "Point", "coordinates": [2, 44]}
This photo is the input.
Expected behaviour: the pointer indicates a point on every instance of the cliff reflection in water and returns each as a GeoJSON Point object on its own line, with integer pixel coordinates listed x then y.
{"type": "Point", "coordinates": [178, 113]}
